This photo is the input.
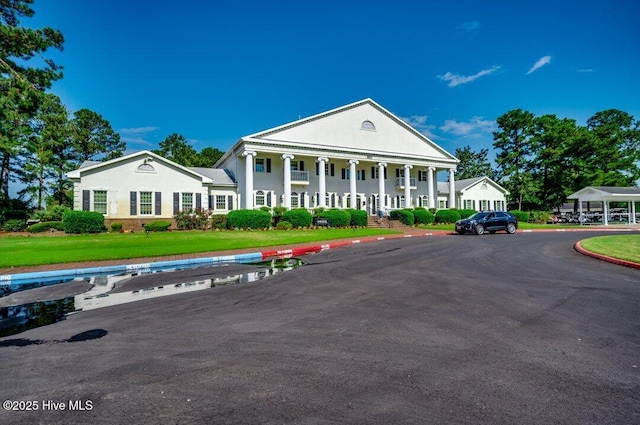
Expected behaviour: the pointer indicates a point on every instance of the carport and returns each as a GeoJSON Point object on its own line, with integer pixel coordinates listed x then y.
{"type": "Point", "coordinates": [607, 194]}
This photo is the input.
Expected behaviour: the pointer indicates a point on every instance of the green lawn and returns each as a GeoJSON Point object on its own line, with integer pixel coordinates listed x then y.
{"type": "Point", "coordinates": [624, 247]}
{"type": "Point", "coordinates": [36, 250]}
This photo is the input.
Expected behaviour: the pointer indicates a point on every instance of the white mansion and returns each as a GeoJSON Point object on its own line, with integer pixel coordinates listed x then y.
{"type": "Point", "coordinates": [356, 156]}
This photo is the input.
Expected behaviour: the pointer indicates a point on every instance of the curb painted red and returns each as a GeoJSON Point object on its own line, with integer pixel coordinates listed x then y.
{"type": "Point", "coordinates": [293, 252]}
{"type": "Point", "coordinates": [578, 247]}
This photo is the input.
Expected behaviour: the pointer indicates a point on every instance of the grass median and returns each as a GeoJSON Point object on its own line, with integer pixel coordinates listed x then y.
{"type": "Point", "coordinates": [623, 247]}
{"type": "Point", "coordinates": [20, 251]}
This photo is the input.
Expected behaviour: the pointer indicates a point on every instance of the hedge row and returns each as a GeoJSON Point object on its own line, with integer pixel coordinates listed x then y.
{"type": "Point", "coordinates": [337, 218]}
{"type": "Point", "coordinates": [83, 222]}
{"type": "Point", "coordinates": [423, 216]}
{"type": "Point", "coordinates": [447, 216]}
{"type": "Point", "coordinates": [522, 216]}
{"type": "Point", "coordinates": [157, 226]}
{"type": "Point", "coordinates": [298, 217]}
{"type": "Point", "coordinates": [45, 226]}
{"type": "Point", "coordinates": [248, 219]}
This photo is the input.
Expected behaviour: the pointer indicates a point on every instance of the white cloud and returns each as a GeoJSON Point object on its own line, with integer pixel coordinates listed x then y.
{"type": "Point", "coordinates": [587, 70]}
{"type": "Point", "coordinates": [469, 26]}
{"type": "Point", "coordinates": [137, 141]}
{"type": "Point", "coordinates": [137, 130]}
{"type": "Point", "coordinates": [455, 79]}
{"type": "Point", "coordinates": [545, 60]}
{"type": "Point", "coordinates": [471, 128]}
{"type": "Point", "coordinates": [419, 122]}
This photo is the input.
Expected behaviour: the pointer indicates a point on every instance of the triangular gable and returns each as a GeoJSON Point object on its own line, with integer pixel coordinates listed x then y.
{"type": "Point", "coordinates": [364, 126]}
{"type": "Point", "coordinates": [466, 184]}
{"type": "Point", "coordinates": [126, 158]}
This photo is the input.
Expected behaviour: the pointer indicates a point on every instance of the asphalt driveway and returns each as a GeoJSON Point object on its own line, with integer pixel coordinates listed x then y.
{"type": "Point", "coordinates": [498, 329]}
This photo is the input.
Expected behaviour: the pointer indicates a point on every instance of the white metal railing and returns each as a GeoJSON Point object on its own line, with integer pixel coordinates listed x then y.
{"type": "Point", "coordinates": [300, 176]}
{"type": "Point", "coordinates": [400, 182]}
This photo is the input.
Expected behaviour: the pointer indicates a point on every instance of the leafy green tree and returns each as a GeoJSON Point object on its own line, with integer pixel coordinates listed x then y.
{"type": "Point", "coordinates": [42, 164]}
{"type": "Point", "coordinates": [207, 157]}
{"type": "Point", "coordinates": [551, 142]}
{"type": "Point", "coordinates": [93, 138]}
{"type": "Point", "coordinates": [177, 149]}
{"type": "Point", "coordinates": [473, 164]}
{"type": "Point", "coordinates": [21, 85]}
{"type": "Point", "coordinates": [515, 150]}
{"type": "Point", "coordinates": [615, 149]}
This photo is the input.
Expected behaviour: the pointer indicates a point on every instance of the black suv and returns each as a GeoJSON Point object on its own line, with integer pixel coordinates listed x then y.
{"type": "Point", "coordinates": [488, 221]}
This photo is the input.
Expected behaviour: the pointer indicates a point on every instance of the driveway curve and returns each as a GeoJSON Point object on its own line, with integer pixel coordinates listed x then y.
{"type": "Point", "coordinates": [498, 329]}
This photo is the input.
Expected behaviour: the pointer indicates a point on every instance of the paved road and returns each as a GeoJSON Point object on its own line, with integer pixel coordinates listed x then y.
{"type": "Point", "coordinates": [495, 329]}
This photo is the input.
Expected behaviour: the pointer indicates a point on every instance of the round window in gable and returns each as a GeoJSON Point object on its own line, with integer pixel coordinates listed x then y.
{"type": "Point", "coordinates": [367, 125]}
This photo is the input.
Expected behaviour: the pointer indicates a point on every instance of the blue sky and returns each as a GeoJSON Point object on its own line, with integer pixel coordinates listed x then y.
{"type": "Point", "coordinates": [215, 71]}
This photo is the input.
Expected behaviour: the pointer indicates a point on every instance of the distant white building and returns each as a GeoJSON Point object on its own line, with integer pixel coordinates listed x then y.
{"type": "Point", "coordinates": [359, 152]}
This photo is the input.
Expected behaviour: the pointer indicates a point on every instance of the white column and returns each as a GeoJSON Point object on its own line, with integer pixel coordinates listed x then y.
{"type": "Point", "coordinates": [633, 212]}
{"type": "Point", "coordinates": [352, 181]}
{"type": "Point", "coordinates": [605, 206]}
{"type": "Point", "coordinates": [430, 189]}
{"type": "Point", "coordinates": [248, 179]}
{"type": "Point", "coordinates": [407, 185]}
{"type": "Point", "coordinates": [322, 182]}
{"type": "Point", "coordinates": [580, 212]}
{"type": "Point", "coordinates": [629, 212]}
{"type": "Point", "coordinates": [452, 189]}
{"type": "Point", "coordinates": [287, 179]}
{"type": "Point", "coordinates": [382, 205]}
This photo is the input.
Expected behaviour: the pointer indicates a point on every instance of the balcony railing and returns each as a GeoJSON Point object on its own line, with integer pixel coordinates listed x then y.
{"type": "Point", "coordinates": [300, 177]}
{"type": "Point", "coordinates": [400, 182]}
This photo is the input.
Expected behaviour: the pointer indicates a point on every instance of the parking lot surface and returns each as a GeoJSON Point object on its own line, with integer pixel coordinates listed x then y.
{"type": "Point", "coordinates": [497, 329]}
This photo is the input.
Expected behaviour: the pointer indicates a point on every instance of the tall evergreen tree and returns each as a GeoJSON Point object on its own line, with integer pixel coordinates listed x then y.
{"type": "Point", "coordinates": [22, 83]}
{"type": "Point", "coordinates": [93, 138]}
{"type": "Point", "coordinates": [473, 164]}
{"type": "Point", "coordinates": [177, 149]}
{"type": "Point", "coordinates": [514, 145]}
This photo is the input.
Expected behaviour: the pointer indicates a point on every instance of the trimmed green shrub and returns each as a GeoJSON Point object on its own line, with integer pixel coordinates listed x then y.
{"type": "Point", "coordinates": [157, 226]}
{"type": "Point", "coordinates": [219, 221]}
{"type": "Point", "coordinates": [116, 227]}
{"type": "Point", "coordinates": [337, 218]}
{"type": "Point", "coordinates": [298, 217]}
{"type": "Point", "coordinates": [83, 222]}
{"type": "Point", "coordinates": [466, 213]}
{"type": "Point", "coordinates": [522, 216]}
{"type": "Point", "coordinates": [318, 210]}
{"type": "Point", "coordinates": [539, 217]}
{"type": "Point", "coordinates": [423, 216]}
{"type": "Point", "coordinates": [248, 219]}
{"type": "Point", "coordinates": [447, 216]}
{"type": "Point", "coordinates": [265, 208]}
{"type": "Point", "coordinates": [55, 213]}
{"type": "Point", "coordinates": [45, 226]}
{"type": "Point", "coordinates": [284, 225]}
{"type": "Point", "coordinates": [359, 218]}
{"type": "Point", "coordinates": [278, 211]}
{"type": "Point", "coordinates": [15, 225]}
{"type": "Point", "coordinates": [406, 216]}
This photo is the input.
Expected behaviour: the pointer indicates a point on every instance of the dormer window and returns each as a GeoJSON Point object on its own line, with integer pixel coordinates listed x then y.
{"type": "Point", "coordinates": [367, 125]}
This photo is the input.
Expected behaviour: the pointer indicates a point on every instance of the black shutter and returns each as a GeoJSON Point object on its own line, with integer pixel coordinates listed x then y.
{"type": "Point", "coordinates": [133, 203]}
{"type": "Point", "coordinates": [363, 174]}
{"type": "Point", "coordinates": [397, 172]}
{"type": "Point", "coordinates": [419, 176]}
{"type": "Point", "coordinates": [230, 202]}
{"type": "Point", "coordinates": [268, 165]}
{"type": "Point", "coordinates": [344, 174]}
{"type": "Point", "coordinates": [301, 165]}
{"type": "Point", "coordinates": [317, 169]}
{"type": "Point", "coordinates": [333, 171]}
{"type": "Point", "coordinates": [302, 196]}
{"type": "Point", "coordinates": [373, 172]}
{"type": "Point", "coordinates": [385, 173]}
{"type": "Point", "coordinates": [268, 196]}
{"type": "Point", "coordinates": [158, 203]}
{"type": "Point", "coordinates": [176, 202]}
{"type": "Point", "coordinates": [86, 200]}
{"type": "Point", "coordinates": [199, 201]}
{"type": "Point", "coordinates": [211, 204]}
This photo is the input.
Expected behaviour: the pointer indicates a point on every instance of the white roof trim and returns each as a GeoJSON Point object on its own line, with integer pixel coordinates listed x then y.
{"type": "Point", "coordinates": [77, 173]}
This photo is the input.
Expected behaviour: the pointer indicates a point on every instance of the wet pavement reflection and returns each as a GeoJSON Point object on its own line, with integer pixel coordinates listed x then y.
{"type": "Point", "coordinates": [17, 316]}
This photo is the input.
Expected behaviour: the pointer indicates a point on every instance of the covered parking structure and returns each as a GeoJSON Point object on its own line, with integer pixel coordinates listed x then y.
{"type": "Point", "coordinates": [606, 195]}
